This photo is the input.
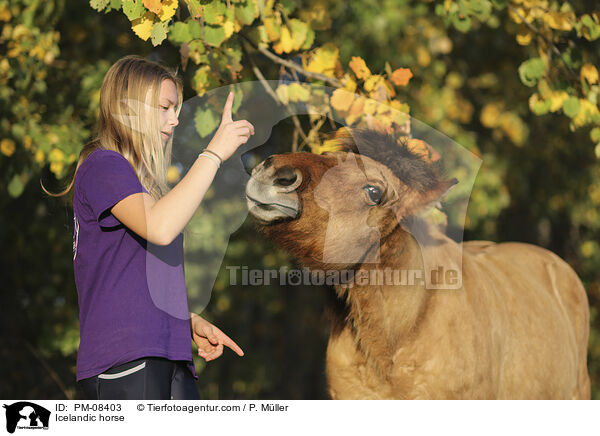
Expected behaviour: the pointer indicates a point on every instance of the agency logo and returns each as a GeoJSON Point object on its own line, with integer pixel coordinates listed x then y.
{"type": "Point", "coordinates": [26, 415]}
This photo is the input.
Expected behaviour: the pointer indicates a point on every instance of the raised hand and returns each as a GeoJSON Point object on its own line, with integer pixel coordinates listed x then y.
{"type": "Point", "coordinates": [230, 134]}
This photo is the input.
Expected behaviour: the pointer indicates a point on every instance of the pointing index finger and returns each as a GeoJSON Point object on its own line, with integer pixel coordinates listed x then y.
{"type": "Point", "coordinates": [229, 342]}
{"type": "Point", "coordinates": [227, 109]}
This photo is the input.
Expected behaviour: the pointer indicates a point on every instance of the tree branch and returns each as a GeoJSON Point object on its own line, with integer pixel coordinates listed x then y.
{"type": "Point", "coordinates": [264, 83]}
{"type": "Point", "coordinates": [540, 34]}
{"type": "Point", "coordinates": [52, 373]}
{"type": "Point", "coordinates": [289, 64]}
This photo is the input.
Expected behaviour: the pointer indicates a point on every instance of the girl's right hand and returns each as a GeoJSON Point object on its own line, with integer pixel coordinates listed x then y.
{"type": "Point", "coordinates": [230, 134]}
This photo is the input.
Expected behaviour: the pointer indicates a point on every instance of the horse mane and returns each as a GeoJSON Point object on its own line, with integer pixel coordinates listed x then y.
{"type": "Point", "coordinates": [410, 167]}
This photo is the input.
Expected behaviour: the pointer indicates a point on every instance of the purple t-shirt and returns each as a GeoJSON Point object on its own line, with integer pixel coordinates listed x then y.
{"type": "Point", "coordinates": [131, 293]}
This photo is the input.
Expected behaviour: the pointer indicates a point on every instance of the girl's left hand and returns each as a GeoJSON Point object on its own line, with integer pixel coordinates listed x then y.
{"type": "Point", "coordinates": [210, 339]}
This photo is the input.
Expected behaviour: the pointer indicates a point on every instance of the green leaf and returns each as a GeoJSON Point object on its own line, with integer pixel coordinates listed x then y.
{"type": "Point", "coordinates": [500, 4]}
{"type": "Point", "coordinates": [179, 33]}
{"type": "Point", "coordinates": [15, 187]}
{"type": "Point", "coordinates": [195, 28]}
{"type": "Point", "coordinates": [541, 107]}
{"type": "Point", "coordinates": [595, 134]}
{"type": "Point", "coordinates": [134, 9]}
{"type": "Point", "coordinates": [299, 32]}
{"type": "Point", "coordinates": [308, 42]}
{"type": "Point", "coordinates": [531, 70]}
{"type": "Point", "coordinates": [587, 20]}
{"type": "Point", "coordinates": [246, 13]}
{"type": "Point", "coordinates": [213, 11]}
{"type": "Point", "coordinates": [114, 4]}
{"type": "Point", "coordinates": [571, 106]}
{"type": "Point", "coordinates": [159, 32]}
{"type": "Point", "coordinates": [297, 92]}
{"type": "Point", "coordinates": [480, 8]}
{"type": "Point", "coordinates": [214, 35]}
{"type": "Point", "coordinates": [205, 122]}
{"type": "Point", "coordinates": [99, 4]}
{"type": "Point", "coordinates": [288, 6]}
{"type": "Point", "coordinates": [461, 24]}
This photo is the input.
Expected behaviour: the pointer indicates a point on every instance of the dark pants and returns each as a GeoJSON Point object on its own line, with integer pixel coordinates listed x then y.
{"type": "Point", "coordinates": [147, 378]}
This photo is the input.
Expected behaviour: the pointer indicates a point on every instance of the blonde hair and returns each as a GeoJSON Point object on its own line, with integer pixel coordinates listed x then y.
{"type": "Point", "coordinates": [125, 124]}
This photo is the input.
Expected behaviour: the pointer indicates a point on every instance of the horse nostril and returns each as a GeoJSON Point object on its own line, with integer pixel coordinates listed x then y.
{"type": "Point", "coordinates": [285, 176]}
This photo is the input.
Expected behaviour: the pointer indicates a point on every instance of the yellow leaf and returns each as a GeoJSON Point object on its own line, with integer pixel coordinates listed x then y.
{"type": "Point", "coordinates": [586, 113]}
{"type": "Point", "coordinates": [173, 174]}
{"type": "Point", "coordinates": [323, 60]}
{"type": "Point", "coordinates": [516, 13]}
{"type": "Point", "coordinates": [56, 155]}
{"type": "Point", "coordinates": [513, 127]}
{"type": "Point", "coordinates": [4, 66]}
{"type": "Point", "coordinates": [370, 106]}
{"type": "Point", "coordinates": [489, 115]}
{"type": "Point", "coordinates": [395, 104]}
{"type": "Point", "coordinates": [589, 73]}
{"type": "Point", "coordinates": [557, 98]}
{"type": "Point", "coordinates": [272, 28]}
{"type": "Point", "coordinates": [56, 167]}
{"type": "Point", "coordinates": [297, 92]}
{"type": "Point", "coordinates": [544, 89]}
{"type": "Point", "coordinates": [524, 36]}
{"type": "Point", "coordinates": [328, 145]}
{"type": "Point", "coordinates": [357, 64]}
{"type": "Point", "coordinates": [341, 99]}
{"type": "Point", "coordinates": [39, 156]}
{"type": "Point", "coordinates": [559, 20]}
{"type": "Point", "coordinates": [7, 147]}
{"type": "Point", "coordinates": [167, 9]}
{"type": "Point", "coordinates": [588, 248]}
{"type": "Point", "coordinates": [287, 42]}
{"type": "Point", "coordinates": [282, 93]}
{"type": "Point", "coordinates": [143, 25]}
{"type": "Point", "coordinates": [401, 76]}
{"type": "Point", "coordinates": [356, 110]}
{"type": "Point", "coordinates": [5, 14]}
{"type": "Point", "coordinates": [372, 82]}
{"type": "Point", "coordinates": [383, 109]}
{"type": "Point", "coordinates": [229, 27]}
{"type": "Point", "coordinates": [27, 142]}
{"type": "Point", "coordinates": [422, 149]}
{"type": "Point", "coordinates": [423, 56]}
{"type": "Point", "coordinates": [349, 83]}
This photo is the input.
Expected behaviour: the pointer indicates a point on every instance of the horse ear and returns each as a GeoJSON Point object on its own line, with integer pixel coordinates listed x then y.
{"type": "Point", "coordinates": [440, 191]}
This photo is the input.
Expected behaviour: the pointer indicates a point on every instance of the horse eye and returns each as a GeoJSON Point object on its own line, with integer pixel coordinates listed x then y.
{"type": "Point", "coordinates": [374, 193]}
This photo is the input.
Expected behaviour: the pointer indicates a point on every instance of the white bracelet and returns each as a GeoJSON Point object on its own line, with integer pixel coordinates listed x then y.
{"type": "Point", "coordinates": [214, 159]}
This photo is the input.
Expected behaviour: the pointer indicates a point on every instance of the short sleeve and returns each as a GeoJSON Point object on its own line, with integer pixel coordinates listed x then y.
{"type": "Point", "coordinates": [108, 179]}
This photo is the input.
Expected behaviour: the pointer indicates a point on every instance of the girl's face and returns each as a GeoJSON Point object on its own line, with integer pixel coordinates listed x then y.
{"type": "Point", "coordinates": [167, 102]}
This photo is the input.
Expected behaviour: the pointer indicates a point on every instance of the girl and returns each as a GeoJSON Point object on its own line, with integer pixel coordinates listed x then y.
{"type": "Point", "coordinates": [128, 240]}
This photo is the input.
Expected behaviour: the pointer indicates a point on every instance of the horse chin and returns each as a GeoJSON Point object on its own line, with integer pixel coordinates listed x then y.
{"type": "Point", "coordinates": [272, 213]}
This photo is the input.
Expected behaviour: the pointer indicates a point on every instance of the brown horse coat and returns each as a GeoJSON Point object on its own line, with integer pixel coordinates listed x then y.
{"type": "Point", "coordinates": [517, 327]}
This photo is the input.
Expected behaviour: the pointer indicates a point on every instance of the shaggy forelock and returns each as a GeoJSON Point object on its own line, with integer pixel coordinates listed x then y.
{"type": "Point", "coordinates": [410, 168]}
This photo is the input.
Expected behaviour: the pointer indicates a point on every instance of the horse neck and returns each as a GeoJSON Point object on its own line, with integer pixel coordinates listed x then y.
{"type": "Point", "coordinates": [383, 316]}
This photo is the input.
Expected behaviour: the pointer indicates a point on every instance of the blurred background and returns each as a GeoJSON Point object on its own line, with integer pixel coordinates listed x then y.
{"type": "Point", "coordinates": [516, 83]}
